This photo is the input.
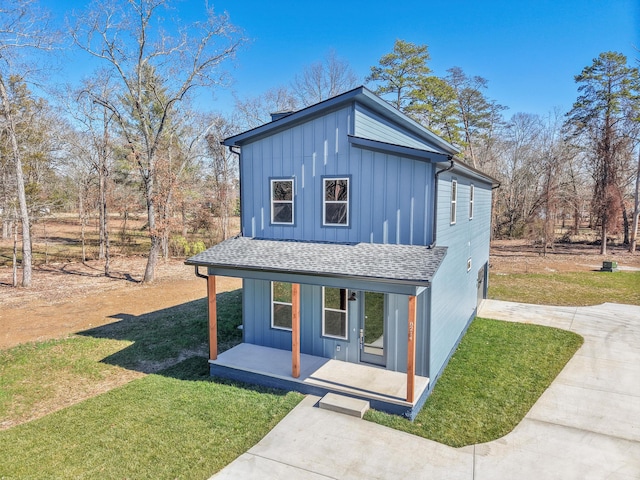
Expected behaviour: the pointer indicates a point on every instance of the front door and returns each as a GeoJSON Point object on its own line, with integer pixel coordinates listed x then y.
{"type": "Point", "coordinates": [372, 329]}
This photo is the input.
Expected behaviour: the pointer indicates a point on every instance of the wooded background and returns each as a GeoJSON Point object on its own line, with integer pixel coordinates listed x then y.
{"type": "Point", "coordinates": [130, 140]}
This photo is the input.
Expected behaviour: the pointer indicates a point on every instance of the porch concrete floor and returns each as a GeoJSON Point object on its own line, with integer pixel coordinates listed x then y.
{"type": "Point", "coordinates": [368, 382]}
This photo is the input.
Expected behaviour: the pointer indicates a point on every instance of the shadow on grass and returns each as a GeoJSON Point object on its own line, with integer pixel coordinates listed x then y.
{"type": "Point", "coordinates": [197, 369]}
{"type": "Point", "coordinates": [166, 338]}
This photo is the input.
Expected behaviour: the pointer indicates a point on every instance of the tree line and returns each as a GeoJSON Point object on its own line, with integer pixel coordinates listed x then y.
{"type": "Point", "coordinates": [129, 137]}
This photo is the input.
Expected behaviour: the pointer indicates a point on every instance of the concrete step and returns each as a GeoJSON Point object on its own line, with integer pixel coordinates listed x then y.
{"type": "Point", "coordinates": [341, 404]}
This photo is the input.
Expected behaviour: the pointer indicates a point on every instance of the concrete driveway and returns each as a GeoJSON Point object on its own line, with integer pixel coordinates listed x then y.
{"type": "Point", "coordinates": [585, 426]}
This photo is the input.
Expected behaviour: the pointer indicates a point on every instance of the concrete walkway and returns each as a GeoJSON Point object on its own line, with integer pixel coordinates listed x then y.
{"type": "Point", "coordinates": [585, 426]}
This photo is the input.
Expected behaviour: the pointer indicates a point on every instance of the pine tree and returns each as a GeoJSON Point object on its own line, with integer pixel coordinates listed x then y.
{"type": "Point", "coordinates": [599, 120]}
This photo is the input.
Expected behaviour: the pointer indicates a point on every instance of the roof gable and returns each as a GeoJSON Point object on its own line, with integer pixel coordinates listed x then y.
{"type": "Point", "coordinates": [409, 133]}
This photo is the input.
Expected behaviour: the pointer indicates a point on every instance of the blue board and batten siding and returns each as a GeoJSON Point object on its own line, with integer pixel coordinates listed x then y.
{"type": "Point", "coordinates": [454, 294]}
{"type": "Point", "coordinates": [372, 126]}
{"type": "Point", "coordinates": [391, 197]}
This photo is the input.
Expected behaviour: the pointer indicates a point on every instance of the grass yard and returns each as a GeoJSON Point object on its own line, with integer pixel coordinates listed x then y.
{"type": "Point", "coordinates": [133, 399]}
{"type": "Point", "coordinates": [95, 413]}
{"type": "Point", "coordinates": [175, 425]}
{"type": "Point", "coordinates": [572, 288]}
{"type": "Point", "coordinates": [494, 378]}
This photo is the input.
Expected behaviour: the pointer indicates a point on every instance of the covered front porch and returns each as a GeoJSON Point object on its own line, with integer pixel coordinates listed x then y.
{"type": "Point", "coordinates": [384, 389]}
{"type": "Point", "coordinates": [335, 360]}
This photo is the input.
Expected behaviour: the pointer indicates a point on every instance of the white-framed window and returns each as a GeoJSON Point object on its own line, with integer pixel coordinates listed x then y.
{"type": "Point", "coordinates": [335, 201]}
{"type": "Point", "coordinates": [334, 312]}
{"type": "Point", "coordinates": [469, 264]}
{"type": "Point", "coordinates": [454, 200]}
{"type": "Point", "coordinates": [471, 195]}
{"type": "Point", "coordinates": [281, 306]}
{"type": "Point", "coordinates": [282, 201]}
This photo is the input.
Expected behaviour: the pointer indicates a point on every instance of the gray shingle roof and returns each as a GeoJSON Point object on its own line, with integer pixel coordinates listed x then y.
{"type": "Point", "coordinates": [409, 264]}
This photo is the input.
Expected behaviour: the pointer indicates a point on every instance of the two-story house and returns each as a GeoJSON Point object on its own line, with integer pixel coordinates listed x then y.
{"type": "Point", "coordinates": [363, 253]}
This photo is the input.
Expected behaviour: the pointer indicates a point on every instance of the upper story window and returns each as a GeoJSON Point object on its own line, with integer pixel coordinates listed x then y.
{"type": "Point", "coordinates": [334, 312]}
{"type": "Point", "coordinates": [282, 201]}
{"type": "Point", "coordinates": [471, 195]}
{"type": "Point", "coordinates": [454, 200]}
{"type": "Point", "coordinates": [335, 205]}
{"type": "Point", "coordinates": [281, 305]}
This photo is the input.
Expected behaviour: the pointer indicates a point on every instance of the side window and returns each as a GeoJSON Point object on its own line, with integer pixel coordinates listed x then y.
{"type": "Point", "coordinates": [281, 309]}
{"type": "Point", "coordinates": [471, 195]}
{"type": "Point", "coordinates": [282, 201]}
{"type": "Point", "coordinates": [454, 200]}
{"type": "Point", "coordinates": [334, 312]}
{"type": "Point", "coordinates": [335, 201]}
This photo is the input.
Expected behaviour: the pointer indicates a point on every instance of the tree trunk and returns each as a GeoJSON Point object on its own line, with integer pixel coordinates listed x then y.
{"type": "Point", "coordinates": [183, 211]}
{"type": "Point", "coordinates": [82, 225]}
{"type": "Point", "coordinates": [152, 261]}
{"type": "Point", "coordinates": [156, 240]}
{"type": "Point", "coordinates": [603, 234]}
{"type": "Point", "coordinates": [636, 211]}
{"type": "Point", "coordinates": [15, 255]}
{"type": "Point", "coordinates": [104, 220]}
{"type": "Point", "coordinates": [625, 222]}
{"type": "Point", "coordinates": [10, 128]}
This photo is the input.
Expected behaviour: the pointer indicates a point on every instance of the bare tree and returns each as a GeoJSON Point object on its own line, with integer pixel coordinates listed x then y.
{"type": "Point", "coordinates": [324, 79]}
{"type": "Point", "coordinates": [22, 29]}
{"type": "Point", "coordinates": [255, 111]}
{"type": "Point", "coordinates": [156, 73]}
{"type": "Point", "coordinates": [224, 172]}
{"type": "Point", "coordinates": [92, 150]}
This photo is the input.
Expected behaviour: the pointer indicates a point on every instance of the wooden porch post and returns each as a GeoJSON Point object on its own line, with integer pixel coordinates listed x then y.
{"type": "Point", "coordinates": [411, 350]}
{"type": "Point", "coordinates": [295, 330]}
{"type": "Point", "coordinates": [213, 318]}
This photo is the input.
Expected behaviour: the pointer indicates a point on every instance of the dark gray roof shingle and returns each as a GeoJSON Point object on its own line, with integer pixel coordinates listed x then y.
{"type": "Point", "coordinates": [409, 264]}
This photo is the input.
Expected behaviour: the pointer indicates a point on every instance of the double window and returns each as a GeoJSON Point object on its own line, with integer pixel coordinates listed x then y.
{"type": "Point", "coordinates": [282, 201]}
{"type": "Point", "coordinates": [281, 307]}
{"type": "Point", "coordinates": [334, 309]}
{"type": "Point", "coordinates": [334, 312]}
{"type": "Point", "coordinates": [335, 202]}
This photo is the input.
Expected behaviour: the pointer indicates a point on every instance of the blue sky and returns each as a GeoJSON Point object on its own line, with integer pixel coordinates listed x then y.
{"type": "Point", "coordinates": [529, 51]}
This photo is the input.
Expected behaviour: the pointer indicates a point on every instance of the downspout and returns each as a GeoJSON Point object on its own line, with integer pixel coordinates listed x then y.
{"type": "Point", "coordinates": [198, 274]}
{"type": "Point", "coordinates": [435, 199]}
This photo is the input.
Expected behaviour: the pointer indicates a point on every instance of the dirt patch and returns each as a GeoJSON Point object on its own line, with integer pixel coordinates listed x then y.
{"type": "Point", "coordinates": [520, 256]}
{"type": "Point", "coordinates": [69, 298]}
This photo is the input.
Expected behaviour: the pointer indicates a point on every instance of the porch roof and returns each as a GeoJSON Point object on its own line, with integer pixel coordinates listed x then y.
{"type": "Point", "coordinates": [410, 265]}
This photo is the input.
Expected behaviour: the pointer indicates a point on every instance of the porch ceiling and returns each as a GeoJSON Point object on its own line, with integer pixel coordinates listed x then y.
{"type": "Point", "coordinates": [409, 265]}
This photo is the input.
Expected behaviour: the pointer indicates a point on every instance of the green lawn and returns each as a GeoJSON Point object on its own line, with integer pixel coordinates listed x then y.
{"type": "Point", "coordinates": [179, 423]}
{"type": "Point", "coordinates": [494, 378]}
{"type": "Point", "coordinates": [574, 288]}
{"type": "Point", "coordinates": [175, 425]}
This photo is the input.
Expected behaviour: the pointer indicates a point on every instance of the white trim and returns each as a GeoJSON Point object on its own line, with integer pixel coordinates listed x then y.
{"type": "Point", "coordinates": [472, 192]}
{"type": "Point", "coordinates": [273, 302]}
{"type": "Point", "coordinates": [454, 201]}
{"type": "Point", "coordinates": [325, 201]}
{"type": "Point", "coordinates": [272, 201]}
{"type": "Point", "coordinates": [346, 315]}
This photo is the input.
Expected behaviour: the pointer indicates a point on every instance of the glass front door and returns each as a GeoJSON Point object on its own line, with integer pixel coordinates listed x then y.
{"type": "Point", "coordinates": [372, 329]}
